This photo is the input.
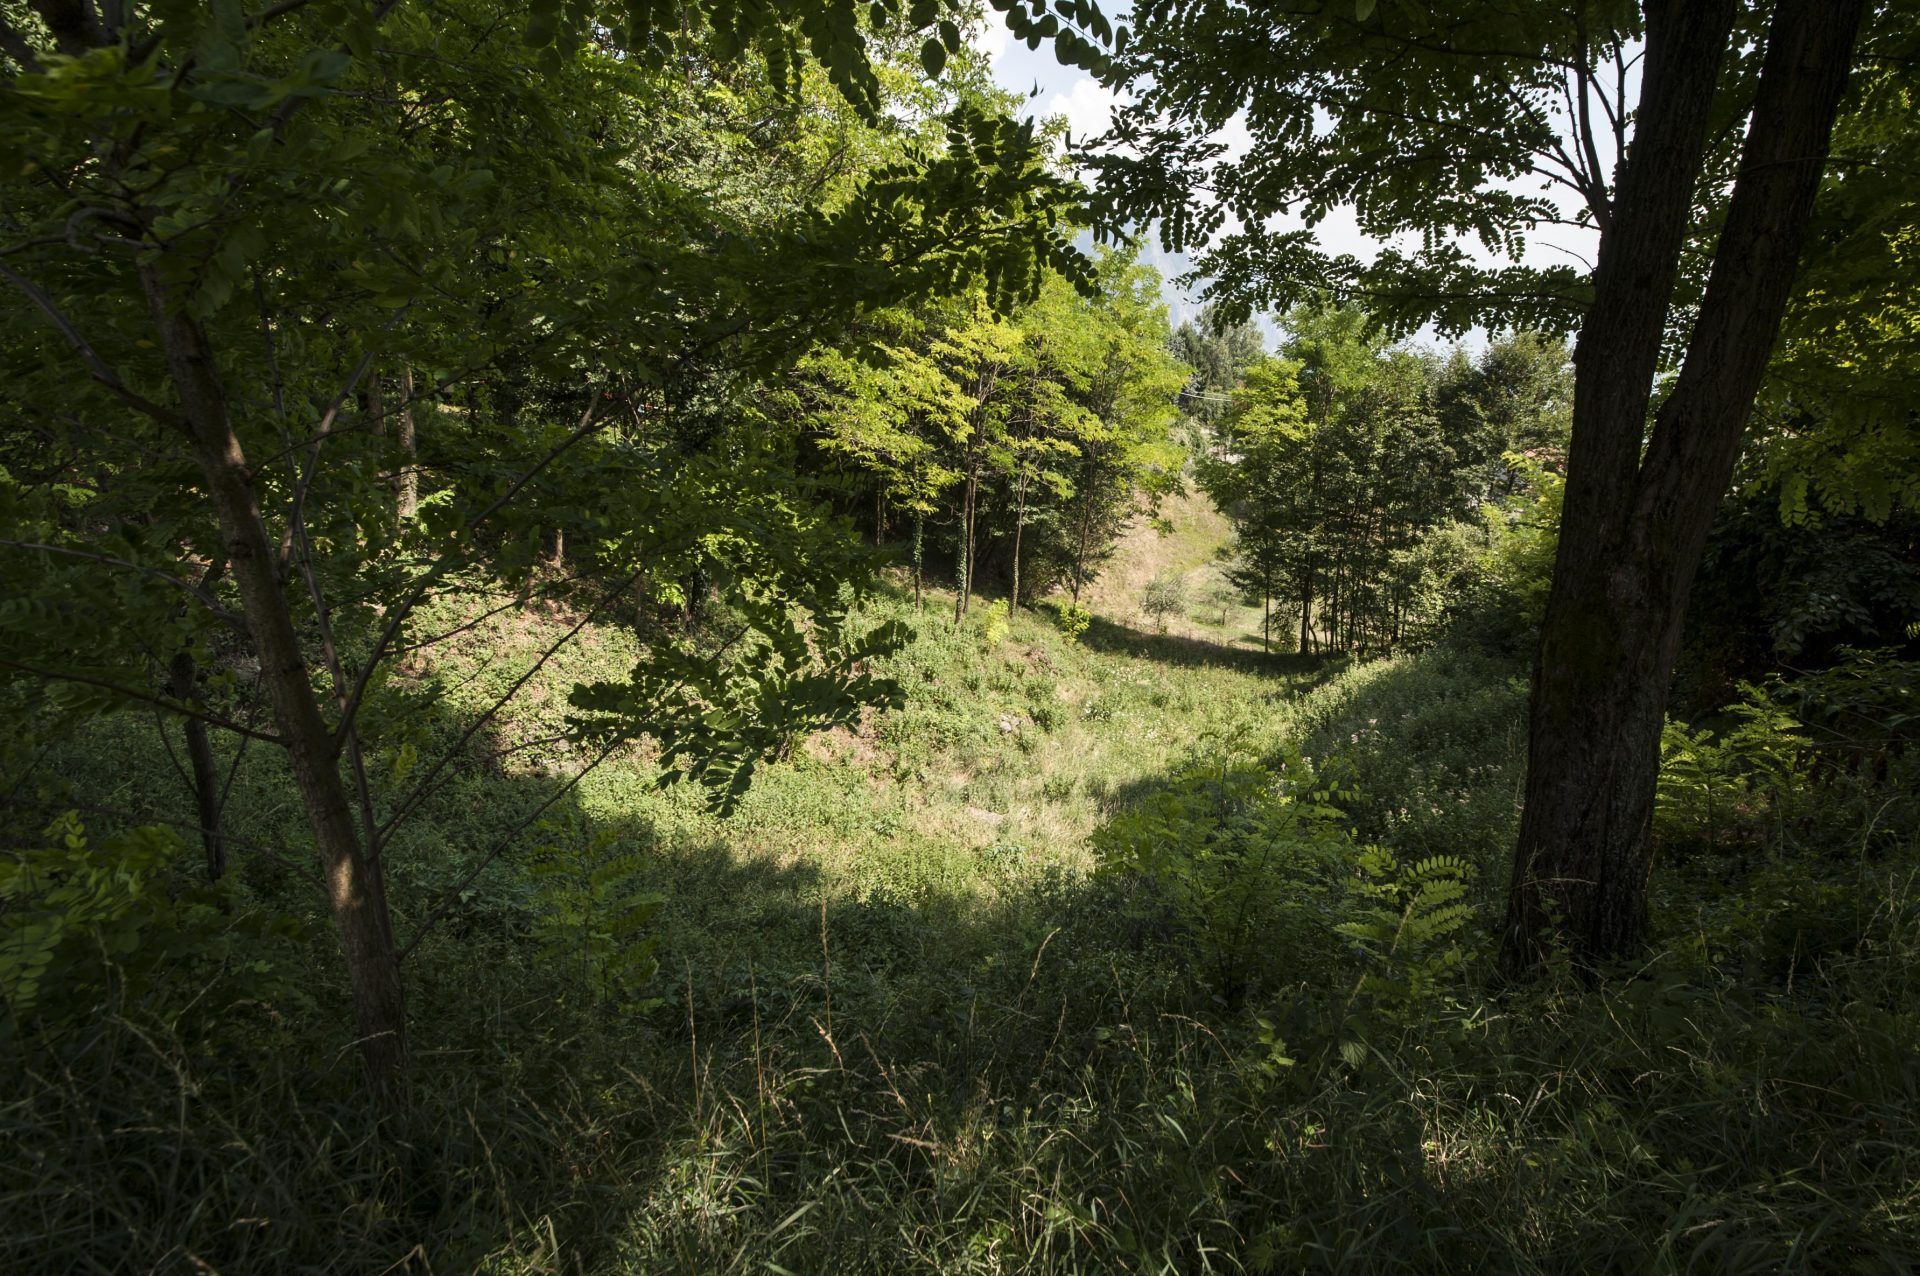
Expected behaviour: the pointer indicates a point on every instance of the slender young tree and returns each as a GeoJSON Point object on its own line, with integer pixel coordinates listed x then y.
{"type": "Point", "coordinates": [512, 209]}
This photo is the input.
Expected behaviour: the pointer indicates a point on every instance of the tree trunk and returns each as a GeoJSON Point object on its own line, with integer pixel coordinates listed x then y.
{"type": "Point", "coordinates": [919, 548]}
{"type": "Point", "coordinates": [1080, 555]}
{"type": "Point", "coordinates": [1633, 530]}
{"type": "Point", "coordinates": [965, 572]}
{"type": "Point", "coordinates": [406, 497]}
{"type": "Point", "coordinates": [1019, 525]}
{"type": "Point", "coordinates": [353, 883]}
{"type": "Point", "coordinates": [1306, 610]}
{"type": "Point", "coordinates": [183, 680]}
{"type": "Point", "coordinates": [973, 542]}
{"type": "Point", "coordinates": [376, 404]}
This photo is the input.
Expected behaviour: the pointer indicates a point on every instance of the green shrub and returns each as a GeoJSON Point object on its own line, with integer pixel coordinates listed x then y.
{"type": "Point", "coordinates": [1164, 596]}
{"type": "Point", "coordinates": [1240, 857]}
{"type": "Point", "coordinates": [994, 623]}
{"type": "Point", "coordinates": [1074, 621]}
{"type": "Point", "coordinates": [122, 922]}
{"type": "Point", "coordinates": [592, 916]}
{"type": "Point", "coordinates": [1715, 783]}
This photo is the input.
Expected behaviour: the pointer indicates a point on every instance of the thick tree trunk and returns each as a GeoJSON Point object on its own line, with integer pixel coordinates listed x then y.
{"type": "Point", "coordinates": [1633, 530]}
{"type": "Point", "coordinates": [353, 882]}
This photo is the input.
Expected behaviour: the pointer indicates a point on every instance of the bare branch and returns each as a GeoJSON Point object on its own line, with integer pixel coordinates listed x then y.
{"type": "Point", "coordinates": [198, 592]}
{"type": "Point", "coordinates": [425, 787]}
{"type": "Point", "coordinates": [453, 893]}
{"type": "Point", "coordinates": [433, 573]}
{"type": "Point", "coordinates": [143, 697]}
{"type": "Point", "coordinates": [102, 371]}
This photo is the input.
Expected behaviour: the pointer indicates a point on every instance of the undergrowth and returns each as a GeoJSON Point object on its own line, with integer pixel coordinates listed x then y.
{"type": "Point", "coordinates": [941, 997]}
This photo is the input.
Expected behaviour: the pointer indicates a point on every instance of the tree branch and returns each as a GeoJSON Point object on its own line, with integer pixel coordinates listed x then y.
{"type": "Point", "coordinates": [197, 591]}
{"type": "Point", "coordinates": [101, 370]}
{"type": "Point", "coordinates": [143, 697]}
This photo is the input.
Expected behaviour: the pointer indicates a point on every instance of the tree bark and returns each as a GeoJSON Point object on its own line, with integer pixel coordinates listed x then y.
{"type": "Point", "coordinates": [184, 685]}
{"type": "Point", "coordinates": [376, 404]}
{"type": "Point", "coordinates": [965, 572]}
{"type": "Point", "coordinates": [353, 882]}
{"type": "Point", "coordinates": [919, 547]}
{"type": "Point", "coordinates": [1019, 525]}
{"type": "Point", "coordinates": [406, 495]}
{"type": "Point", "coordinates": [1633, 530]}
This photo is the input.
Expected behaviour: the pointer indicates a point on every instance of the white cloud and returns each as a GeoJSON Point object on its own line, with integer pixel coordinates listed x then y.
{"type": "Point", "coordinates": [990, 38]}
{"type": "Point", "coordinates": [1088, 107]}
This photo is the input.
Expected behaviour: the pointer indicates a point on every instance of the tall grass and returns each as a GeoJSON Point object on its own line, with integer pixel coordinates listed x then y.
{"type": "Point", "coordinates": [899, 1026]}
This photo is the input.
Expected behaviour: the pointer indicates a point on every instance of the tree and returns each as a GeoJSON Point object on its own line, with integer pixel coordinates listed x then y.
{"type": "Point", "coordinates": [237, 227]}
{"type": "Point", "coordinates": [1059, 413]}
{"type": "Point", "coordinates": [1516, 397]}
{"type": "Point", "coordinates": [1218, 352]}
{"type": "Point", "coordinates": [1335, 468]}
{"type": "Point", "coordinates": [1261, 474]}
{"type": "Point", "coordinates": [1426, 120]}
{"type": "Point", "coordinates": [1107, 351]}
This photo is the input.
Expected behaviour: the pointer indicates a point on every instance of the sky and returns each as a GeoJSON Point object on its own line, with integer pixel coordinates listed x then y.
{"type": "Point", "coordinates": [1055, 90]}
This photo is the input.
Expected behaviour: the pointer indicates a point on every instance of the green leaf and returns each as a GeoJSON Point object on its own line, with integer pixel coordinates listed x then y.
{"type": "Point", "coordinates": [933, 57]}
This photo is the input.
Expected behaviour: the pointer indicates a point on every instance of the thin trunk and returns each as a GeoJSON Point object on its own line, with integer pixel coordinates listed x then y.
{"type": "Point", "coordinates": [965, 572]}
{"type": "Point", "coordinates": [354, 887]}
{"type": "Point", "coordinates": [406, 498]}
{"type": "Point", "coordinates": [919, 548]}
{"type": "Point", "coordinates": [973, 523]}
{"type": "Point", "coordinates": [376, 404]}
{"type": "Point", "coordinates": [1080, 556]}
{"type": "Point", "coordinates": [1306, 610]}
{"type": "Point", "coordinates": [1633, 529]}
{"type": "Point", "coordinates": [960, 567]}
{"type": "Point", "coordinates": [183, 679]}
{"type": "Point", "coordinates": [1019, 525]}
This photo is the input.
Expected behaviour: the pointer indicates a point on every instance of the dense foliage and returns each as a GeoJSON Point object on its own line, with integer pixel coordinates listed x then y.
{"type": "Point", "coordinates": [1349, 468]}
{"type": "Point", "coordinates": [629, 642]}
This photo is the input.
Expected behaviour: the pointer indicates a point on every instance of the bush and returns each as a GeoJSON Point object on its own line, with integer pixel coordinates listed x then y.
{"type": "Point", "coordinates": [994, 623]}
{"type": "Point", "coordinates": [1164, 596]}
{"type": "Point", "coordinates": [1074, 620]}
{"type": "Point", "coordinates": [1243, 859]}
{"type": "Point", "coordinates": [94, 927]}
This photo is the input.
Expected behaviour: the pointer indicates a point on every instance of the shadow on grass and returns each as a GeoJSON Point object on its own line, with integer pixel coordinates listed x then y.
{"type": "Point", "coordinates": [814, 1082]}
{"type": "Point", "coordinates": [1185, 652]}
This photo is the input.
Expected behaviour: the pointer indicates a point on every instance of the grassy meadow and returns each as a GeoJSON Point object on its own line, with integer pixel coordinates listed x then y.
{"type": "Point", "coordinates": [891, 1015]}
